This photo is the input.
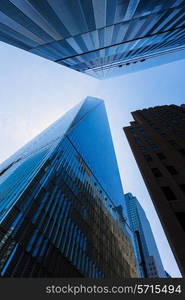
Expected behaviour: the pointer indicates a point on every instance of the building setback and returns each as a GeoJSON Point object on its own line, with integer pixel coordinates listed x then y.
{"type": "Point", "coordinates": [148, 258]}
{"type": "Point", "coordinates": [60, 210]}
{"type": "Point", "coordinates": [102, 38]}
{"type": "Point", "coordinates": [157, 139]}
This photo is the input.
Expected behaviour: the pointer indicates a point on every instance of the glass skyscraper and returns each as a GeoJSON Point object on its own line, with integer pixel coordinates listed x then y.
{"type": "Point", "coordinates": [61, 202]}
{"type": "Point", "coordinates": [148, 258]}
{"type": "Point", "coordinates": [102, 38]}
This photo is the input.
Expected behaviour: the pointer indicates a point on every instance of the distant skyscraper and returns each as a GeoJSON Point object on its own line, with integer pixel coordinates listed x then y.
{"type": "Point", "coordinates": [102, 38]}
{"type": "Point", "coordinates": [147, 254]}
{"type": "Point", "coordinates": [60, 202]}
{"type": "Point", "coordinates": [157, 139]}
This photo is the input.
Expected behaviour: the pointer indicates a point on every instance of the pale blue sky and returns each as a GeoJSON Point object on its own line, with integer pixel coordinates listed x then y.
{"type": "Point", "coordinates": [35, 92]}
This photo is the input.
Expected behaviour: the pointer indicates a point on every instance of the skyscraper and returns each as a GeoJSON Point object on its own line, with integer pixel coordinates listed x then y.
{"type": "Point", "coordinates": [157, 139]}
{"type": "Point", "coordinates": [102, 38]}
{"type": "Point", "coordinates": [147, 254]}
{"type": "Point", "coordinates": [60, 210]}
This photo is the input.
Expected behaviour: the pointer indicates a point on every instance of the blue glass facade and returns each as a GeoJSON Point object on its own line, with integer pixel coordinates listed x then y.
{"type": "Point", "coordinates": [58, 210]}
{"type": "Point", "coordinates": [147, 254]}
{"type": "Point", "coordinates": [101, 38]}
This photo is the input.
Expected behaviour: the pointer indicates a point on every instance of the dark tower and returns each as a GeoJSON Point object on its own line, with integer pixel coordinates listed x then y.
{"type": "Point", "coordinates": [157, 139]}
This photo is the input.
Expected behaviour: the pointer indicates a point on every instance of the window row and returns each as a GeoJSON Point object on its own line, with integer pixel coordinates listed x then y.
{"type": "Point", "coordinates": [171, 170]}
{"type": "Point", "coordinates": [169, 194]}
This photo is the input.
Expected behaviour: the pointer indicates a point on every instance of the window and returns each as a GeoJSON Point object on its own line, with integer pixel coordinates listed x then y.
{"type": "Point", "coordinates": [168, 193]}
{"type": "Point", "coordinates": [182, 186]}
{"type": "Point", "coordinates": [156, 172]}
{"type": "Point", "coordinates": [172, 142]}
{"type": "Point", "coordinates": [148, 157]}
{"type": "Point", "coordinates": [154, 146]}
{"type": "Point", "coordinates": [171, 170]}
{"type": "Point", "coordinates": [179, 133]}
{"type": "Point", "coordinates": [182, 151]}
{"type": "Point", "coordinates": [147, 139]}
{"type": "Point", "coordinates": [137, 140]}
{"type": "Point", "coordinates": [181, 218]}
{"type": "Point", "coordinates": [161, 156]}
{"type": "Point", "coordinates": [163, 134]}
{"type": "Point", "coordinates": [142, 148]}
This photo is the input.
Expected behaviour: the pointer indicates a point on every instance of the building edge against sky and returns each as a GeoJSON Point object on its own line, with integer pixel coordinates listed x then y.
{"type": "Point", "coordinates": [54, 132]}
{"type": "Point", "coordinates": [100, 38]}
{"type": "Point", "coordinates": [58, 214]}
{"type": "Point", "coordinates": [156, 138]}
{"type": "Point", "coordinates": [148, 257]}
